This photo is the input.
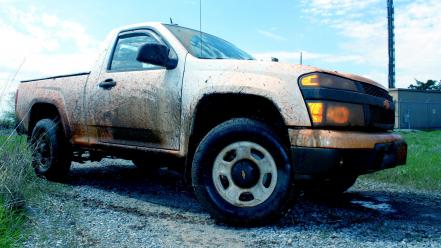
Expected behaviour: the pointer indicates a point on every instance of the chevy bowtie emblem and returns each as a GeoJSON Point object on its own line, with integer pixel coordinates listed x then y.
{"type": "Point", "coordinates": [386, 104]}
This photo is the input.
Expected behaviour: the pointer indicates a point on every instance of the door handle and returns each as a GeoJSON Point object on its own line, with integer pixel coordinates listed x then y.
{"type": "Point", "coordinates": [107, 84]}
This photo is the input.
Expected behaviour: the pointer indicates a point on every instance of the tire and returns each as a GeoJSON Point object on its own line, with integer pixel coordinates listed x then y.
{"type": "Point", "coordinates": [245, 147]}
{"type": "Point", "coordinates": [51, 156]}
{"type": "Point", "coordinates": [331, 187]}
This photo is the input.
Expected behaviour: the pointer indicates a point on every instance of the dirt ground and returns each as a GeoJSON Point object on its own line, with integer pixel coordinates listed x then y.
{"type": "Point", "coordinates": [115, 204]}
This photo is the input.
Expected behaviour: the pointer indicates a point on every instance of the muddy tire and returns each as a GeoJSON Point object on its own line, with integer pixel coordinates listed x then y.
{"type": "Point", "coordinates": [51, 156]}
{"type": "Point", "coordinates": [331, 187]}
{"type": "Point", "coordinates": [241, 173]}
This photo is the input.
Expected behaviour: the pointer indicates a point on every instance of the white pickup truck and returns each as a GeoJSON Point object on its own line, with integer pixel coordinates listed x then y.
{"type": "Point", "coordinates": [248, 133]}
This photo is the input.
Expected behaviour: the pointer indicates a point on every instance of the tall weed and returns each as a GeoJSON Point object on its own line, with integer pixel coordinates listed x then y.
{"type": "Point", "coordinates": [16, 174]}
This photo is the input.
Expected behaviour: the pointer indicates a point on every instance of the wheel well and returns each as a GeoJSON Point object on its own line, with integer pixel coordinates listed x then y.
{"type": "Point", "coordinates": [41, 111]}
{"type": "Point", "coordinates": [216, 108]}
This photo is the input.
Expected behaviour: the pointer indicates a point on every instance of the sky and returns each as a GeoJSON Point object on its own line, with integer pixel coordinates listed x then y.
{"type": "Point", "coordinates": [49, 37]}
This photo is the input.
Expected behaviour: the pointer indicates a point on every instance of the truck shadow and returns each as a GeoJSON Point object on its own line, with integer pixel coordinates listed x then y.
{"type": "Point", "coordinates": [162, 186]}
{"type": "Point", "coordinates": [364, 215]}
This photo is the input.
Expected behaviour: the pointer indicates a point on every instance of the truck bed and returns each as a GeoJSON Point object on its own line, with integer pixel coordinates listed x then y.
{"type": "Point", "coordinates": [63, 92]}
{"type": "Point", "coordinates": [55, 77]}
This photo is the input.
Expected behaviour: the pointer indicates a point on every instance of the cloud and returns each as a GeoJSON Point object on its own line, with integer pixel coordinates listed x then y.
{"type": "Point", "coordinates": [347, 8]}
{"type": "Point", "coordinates": [50, 44]}
{"type": "Point", "coordinates": [50, 20]}
{"type": "Point", "coordinates": [363, 25]}
{"type": "Point", "coordinates": [271, 35]}
{"type": "Point", "coordinates": [419, 41]}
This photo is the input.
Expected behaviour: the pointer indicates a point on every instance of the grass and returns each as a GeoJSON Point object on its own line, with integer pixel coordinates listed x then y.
{"type": "Point", "coordinates": [16, 187]}
{"type": "Point", "coordinates": [423, 168]}
{"type": "Point", "coordinates": [11, 226]}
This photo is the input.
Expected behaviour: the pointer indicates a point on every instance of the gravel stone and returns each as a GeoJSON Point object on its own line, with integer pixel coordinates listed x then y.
{"type": "Point", "coordinates": [114, 204]}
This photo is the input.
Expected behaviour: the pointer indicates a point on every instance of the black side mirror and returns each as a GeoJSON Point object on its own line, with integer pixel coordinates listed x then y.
{"type": "Point", "coordinates": [156, 54]}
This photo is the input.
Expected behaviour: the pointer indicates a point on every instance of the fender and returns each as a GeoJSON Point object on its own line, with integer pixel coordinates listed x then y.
{"type": "Point", "coordinates": [55, 101]}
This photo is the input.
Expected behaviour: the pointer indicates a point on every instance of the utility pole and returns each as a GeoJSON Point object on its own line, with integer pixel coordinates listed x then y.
{"type": "Point", "coordinates": [391, 42]}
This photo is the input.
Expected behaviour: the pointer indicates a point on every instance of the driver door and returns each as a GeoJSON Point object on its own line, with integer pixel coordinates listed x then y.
{"type": "Point", "coordinates": [134, 103]}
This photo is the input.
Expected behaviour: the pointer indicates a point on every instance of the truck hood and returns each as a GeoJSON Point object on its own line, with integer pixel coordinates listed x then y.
{"type": "Point", "coordinates": [276, 69]}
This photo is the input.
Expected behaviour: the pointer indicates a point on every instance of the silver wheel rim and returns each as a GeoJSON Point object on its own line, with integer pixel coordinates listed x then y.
{"type": "Point", "coordinates": [234, 194]}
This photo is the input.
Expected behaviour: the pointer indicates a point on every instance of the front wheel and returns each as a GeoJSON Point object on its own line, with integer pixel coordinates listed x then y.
{"type": "Point", "coordinates": [241, 173]}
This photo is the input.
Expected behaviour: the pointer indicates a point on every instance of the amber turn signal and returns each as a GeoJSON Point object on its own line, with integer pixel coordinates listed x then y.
{"type": "Point", "coordinates": [316, 112]}
{"type": "Point", "coordinates": [311, 80]}
{"type": "Point", "coordinates": [324, 80]}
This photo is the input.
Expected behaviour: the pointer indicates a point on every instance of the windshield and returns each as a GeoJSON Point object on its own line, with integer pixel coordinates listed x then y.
{"type": "Point", "coordinates": [206, 46]}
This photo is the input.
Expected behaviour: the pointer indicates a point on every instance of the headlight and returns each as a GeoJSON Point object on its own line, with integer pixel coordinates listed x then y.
{"type": "Point", "coordinates": [327, 81]}
{"type": "Point", "coordinates": [327, 113]}
{"type": "Point", "coordinates": [333, 101]}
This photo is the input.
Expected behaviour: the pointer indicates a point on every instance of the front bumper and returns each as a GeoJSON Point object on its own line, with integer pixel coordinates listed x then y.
{"type": "Point", "coordinates": [325, 152]}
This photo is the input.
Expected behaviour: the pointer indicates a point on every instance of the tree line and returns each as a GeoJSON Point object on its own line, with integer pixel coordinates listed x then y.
{"type": "Point", "coordinates": [8, 119]}
{"type": "Point", "coordinates": [429, 85]}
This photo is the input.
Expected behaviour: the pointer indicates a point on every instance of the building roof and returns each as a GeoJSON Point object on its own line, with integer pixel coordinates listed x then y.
{"type": "Point", "coordinates": [412, 90]}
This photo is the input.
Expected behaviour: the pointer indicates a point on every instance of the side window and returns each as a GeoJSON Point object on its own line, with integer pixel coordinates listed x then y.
{"type": "Point", "coordinates": [126, 50]}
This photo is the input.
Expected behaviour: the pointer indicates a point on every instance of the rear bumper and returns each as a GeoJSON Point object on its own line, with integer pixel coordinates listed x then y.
{"type": "Point", "coordinates": [332, 152]}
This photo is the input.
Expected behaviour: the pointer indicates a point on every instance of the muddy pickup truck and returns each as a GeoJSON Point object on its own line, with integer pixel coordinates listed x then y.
{"type": "Point", "coordinates": [247, 133]}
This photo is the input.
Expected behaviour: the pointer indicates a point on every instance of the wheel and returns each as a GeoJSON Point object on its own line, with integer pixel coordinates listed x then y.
{"type": "Point", "coordinates": [331, 187]}
{"type": "Point", "coordinates": [241, 173]}
{"type": "Point", "coordinates": [51, 156]}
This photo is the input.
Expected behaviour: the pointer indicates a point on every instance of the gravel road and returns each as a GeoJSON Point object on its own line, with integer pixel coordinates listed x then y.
{"type": "Point", "coordinates": [114, 204]}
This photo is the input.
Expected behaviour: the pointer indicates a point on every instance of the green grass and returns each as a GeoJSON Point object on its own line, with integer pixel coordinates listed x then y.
{"type": "Point", "coordinates": [11, 226]}
{"type": "Point", "coordinates": [423, 168]}
{"type": "Point", "coordinates": [16, 188]}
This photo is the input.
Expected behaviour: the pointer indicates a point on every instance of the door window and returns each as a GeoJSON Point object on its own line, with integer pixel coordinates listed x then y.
{"type": "Point", "coordinates": [126, 50]}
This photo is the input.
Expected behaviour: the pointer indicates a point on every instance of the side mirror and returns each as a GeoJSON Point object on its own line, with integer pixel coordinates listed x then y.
{"type": "Point", "coordinates": [156, 54]}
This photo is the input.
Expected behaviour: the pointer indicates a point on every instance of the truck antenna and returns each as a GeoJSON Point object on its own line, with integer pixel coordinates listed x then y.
{"type": "Point", "coordinates": [171, 21]}
{"type": "Point", "coordinates": [200, 24]}
{"type": "Point", "coordinates": [301, 58]}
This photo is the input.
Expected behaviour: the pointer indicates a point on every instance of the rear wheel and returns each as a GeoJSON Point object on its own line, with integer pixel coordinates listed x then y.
{"type": "Point", "coordinates": [241, 173]}
{"type": "Point", "coordinates": [51, 155]}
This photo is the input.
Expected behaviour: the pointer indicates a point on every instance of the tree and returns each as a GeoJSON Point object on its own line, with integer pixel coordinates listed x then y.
{"type": "Point", "coordinates": [429, 85]}
{"type": "Point", "coordinates": [8, 119]}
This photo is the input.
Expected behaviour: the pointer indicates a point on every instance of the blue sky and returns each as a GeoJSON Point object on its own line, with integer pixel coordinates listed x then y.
{"type": "Point", "coordinates": [53, 37]}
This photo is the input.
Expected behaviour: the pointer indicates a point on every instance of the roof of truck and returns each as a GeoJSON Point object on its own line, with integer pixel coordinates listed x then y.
{"type": "Point", "coordinates": [138, 25]}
